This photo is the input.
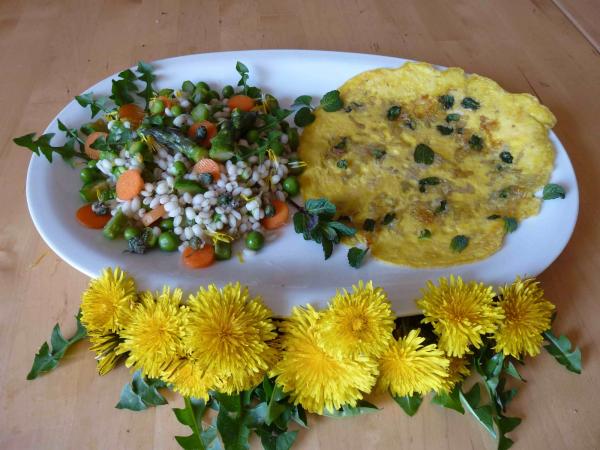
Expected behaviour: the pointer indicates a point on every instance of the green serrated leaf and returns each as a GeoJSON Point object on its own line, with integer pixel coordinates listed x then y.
{"type": "Point", "coordinates": [147, 76]}
{"type": "Point", "coordinates": [320, 207]}
{"type": "Point", "coordinates": [141, 393]}
{"type": "Point", "coordinates": [96, 104]}
{"type": "Point", "coordinates": [507, 424]}
{"type": "Point", "coordinates": [562, 350]}
{"type": "Point", "coordinates": [342, 229]}
{"type": "Point", "coordinates": [362, 407]}
{"type": "Point", "coordinates": [299, 416]}
{"type": "Point", "coordinates": [553, 191]}
{"type": "Point", "coordinates": [511, 370]}
{"type": "Point", "coordinates": [191, 416]}
{"type": "Point", "coordinates": [275, 409]}
{"type": "Point", "coordinates": [232, 426]}
{"type": "Point", "coordinates": [304, 117]}
{"type": "Point", "coordinates": [450, 400]}
{"type": "Point", "coordinates": [423, 154]}
{"type": "Point", "coordinates": [483, 414]}
{"type": "Point", "coordinates": [123, 88]}
{"type": "Point", "coordinates": [409, 403]}
{"type": "Point", "coordinates": [332, 101]}
{"type": "Point", "coordinates": [47, 357]}
{"type": "Point", "coordinates": [129, 399]}
{"type": "Point", "coordinates": [42, 146]}
{"type": "Point", "coordinates": [286, 440]}
{"type": "Point", "coordinates": [504, 443]}
{"type": "Point", "coordinates": [256, 416]}
{"type": "Point", "coordinates": [356, 256]}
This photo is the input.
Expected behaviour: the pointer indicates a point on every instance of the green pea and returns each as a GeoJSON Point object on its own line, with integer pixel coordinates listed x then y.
{"type": "Point", "coordinates": [166, 224]}
{"type": "Point", "coordinates": [223, 250]}
{"type": "Point", "coordinates": [165, 92]}
{"type": "Point", "coordinates": [176, 110]}
{"type": "Point", "coordinates": [291, 185]}
{"type": "Point", "coordinates": [200, 113]}
{"type": "Point", "coordinates": [277, 148]}
{"type": "Point", "coordinates": [252, 136]}
{"type": "Point", "coordinates": [118, 171]}
{"type": "Point", "coordinates": [92, 163]}
{"type": "Point", "coordinates": [188, 86]}
{"type": "Point", "coordinates": [179, 169]}
{"type": "Point", "coordinates": [227, 91]}
{"type": "Point", "coordinates": [157, 107]}
{"type": "Point", "coordinates": [255, 240]}
{"type": "Point", "coordinates": [202, 85]}
{"type": "Point", "coordinates": [168, 241]}
{"type": "Point", "coordinates": [89, 173]}
{"type": "Point", "coordinates": [131, 232]}
{"type": "Point", "coordinates": [200, 95]}
{"type": "Point", "coordinates": [214, 94]}
{"type": "Point", "coordinates": [137, 147]}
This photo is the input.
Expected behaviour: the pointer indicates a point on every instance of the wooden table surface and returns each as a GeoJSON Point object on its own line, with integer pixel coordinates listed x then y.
{"type": "Point", "coordinates": [52, 50]}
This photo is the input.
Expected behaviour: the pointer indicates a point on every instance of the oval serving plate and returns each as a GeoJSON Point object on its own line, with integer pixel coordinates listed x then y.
{"type": "Point", "coordinates": [288, 271]}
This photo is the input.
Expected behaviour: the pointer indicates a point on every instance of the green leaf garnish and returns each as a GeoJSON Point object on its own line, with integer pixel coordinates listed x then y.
{"type": "Point", "coordinates": [429, 181]}
{"type": "Point", "coordinates": [342, 229]}
{"type": "Point", "coordinates": [447, 101]}
{"type": "Point", "coordinates": [552, 191]}
{"type": "Point", "coordinates": [444, 130]}
{"type": "Point", "coordinates": [147, 76]}
{"type": "Point", "coordinates": [141, 393]}
{"type": "Point", "coordinates": [476, 142]}
{"type": "Point", "coordinates": [388, 218]}
{"type": "Point", "coordinates": [409, 403]}
{"type": "Point", "coordinates": [304, 117]}
{"type": "Point", "coordinates": [506, 157]}
{"type": "Point", "coordinates": [393, 113]}
{"type": "Point", "coordinates": [494, 217]}
{"type": "Point", "coordinates": [320, 206]}
{"type": "Point", "coordinates": [441, 208]}
{"type": "Point", "coordinates": [369, 225]}
{"type": "Point", "coordinates": [356, 256]}
{"type": "Point", "coordinates": [562, 350]}
{"type": "Point", "coordinates": [483, 414]}
{"type": "Point", "coordinates": [378, 153]}
{"type": "Point", "coordinates": [459, 243]}
{"type": "Point", "coordinates": [191, 416]}
{"type": "Point", "coordinates": [423, 154]}
{"type": "Point", "coordinates": [510, 224]}
{"type": "Point", "coordinates": [48, 356]}
{"type": "Point", "coordinates": [450, 400]}
{"type": "Point", "coordinates": [96, 104]}
{"type": "Point", "coordinates": [424, 234]}
{"type": "Point", "coordinates": [123, 88]}
{"type": "Point", "coordinates": [452, 118]}
{"type": "Point", "coordinates": [342, 164]}
{"type": "Point", "coordinates": [303, 100]}
{"type": "Point", "coordinates": [243, 71]}
{"type": "Point", "coordinates": [470, 103]}
{"type": "Point", "coordinates": [42, 146]}
{"type": "Point", "coordinates": [331, 101]}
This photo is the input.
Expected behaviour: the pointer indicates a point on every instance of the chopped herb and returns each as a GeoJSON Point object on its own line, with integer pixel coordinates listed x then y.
{"type": "Point", "coordinates": [552, 191]}
{"type": "Point", "coordinates": [452, 118]}
{"type": "Point", "coordinates": [460, 130]}
{"type": "Point", "coordinates": [341, 144]}
{"type": "Point", "coordinates": [470, 103]}
{"type": "Point", "coordinates": [459, 243]}
{"type": "Point", "coordinates": [269, 211]}
{"type": "Point", "coordinates": [506, 157]}
{"type": "Point", "coordinates": [423, 154]}
{"type": "Point", "coordinates": [475, 142]}
{"type": "Point", "coordinates": [410, 123]}
{"type": "Point", "coordinates": [447, 101]}
{"type": "Point", "coordinates": [224, 199]}
{"type": "Point", "coordinates": [206, 178]}
{"type": "Point", "coordinates": [378, 153]}
{"type": "Point", "coordinates": [352, 106]}
{"type": "Point", "coordinates": [444, 130]}
{"type": "Point", "coordinates": [394, 112]}
{"type": "Point", "coordinates": [440, 209]}
{"type": "Point", "coordinates": [342, 164]}
{"type": "Point", "coordinates": [369, 225]}
{"type": "Point", "coordinates": [424, 234]}
{"type": "Point", "coordinates": [303, 100]}
{"type": "Point", "coordinates": [493, 217]}
{"type": "Point", "coordinates": [510, 224]}
{"type": "Point", "coordinates": [429, 181]}
{"type": "Point", "coordinates": [504, 193]}
{"type": "Point", "coordinates": [331, 101]}
{"type": "Point", "coordinates": [356, 256]}
{"type": "Point", "coordinates": [388, 218]}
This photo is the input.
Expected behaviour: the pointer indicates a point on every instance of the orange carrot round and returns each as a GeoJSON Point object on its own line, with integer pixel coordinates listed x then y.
{"type": "Point", "coordinates": [152, 216]}
{"type": "Point", "coordinates": [92, 152]}
{"type": "Point", "coordinates": [241, 102]}
{"type": "Point", "coordinates": [133, 113]}
{"type": "Point", "coordinates": [208, 165]}
{"type": "Point", "coordinates": [129, 184]}
{"type": "Point", "coordinates": [166, 101]}
{"type": "Point", "coordinates": [211, 132]}
{"type": "Point", "coordinates": [279, 218]}
{"type": "Point", "coordinates": [198, 259]}
{"type": "Point", "coordinates": [88, 218]}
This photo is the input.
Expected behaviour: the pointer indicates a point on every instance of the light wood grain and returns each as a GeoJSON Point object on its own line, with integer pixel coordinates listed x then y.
{"type": "Point", "coordinates": [585, 15]}
{"type": "Point", "coordinates": [54, 50]}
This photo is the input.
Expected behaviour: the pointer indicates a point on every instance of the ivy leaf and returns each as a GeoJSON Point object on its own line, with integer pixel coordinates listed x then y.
{"type": "Point", "coordinates": [303, 100]}
{"type": "Point", "coordinates": [331, 101]}
{"type": "Point", "coordinates": [450, 400]}
{"type": "Point", "coordinates": [47, 357]}
{"type": "Point", "coordinates": [147, 76]}
{"type": "Point", "coordinates": [304, 117]}
{"type": "Point", "coordinates": [553, 191]}
{"type": "Point", "coordinates": [119, 134]}
{"type": "Point", "coordinates": [71, 133]}
{"type": "Point", "coordinates": [191, 416]}
{"type": "Point", "coordinates": [561, 349]}
{"type": "Point", "coordinates": [423, 154]}
{"type": "Point", "coordinates": [356, 256]}
{"type": "Point", "coordinates": [42, 146]}
{"type": "Point", "coordinates": [409, 403]}
{"type": "Point", "coordinates": [362, 407]}
{"type": "Point", "coordinates": [96, 104]}
{"type": "Point", "coordinates": [141, 393]}
{"type": "Point", "coordinates": [483, 414]}
{"type": "Point", "coordinates": [123, 88]}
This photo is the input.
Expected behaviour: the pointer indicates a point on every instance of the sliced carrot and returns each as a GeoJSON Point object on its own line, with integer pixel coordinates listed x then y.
{"type": "Point", "coordinates": [279, 218]}
{"type": "Point", "coordinates": [88, 218]}
{"type": "Point", "coordinates": [208, 165]}
{"type": "Point", "coordinates": [129, 184]}
{"type": "Point", "coordinates": [198, 259]}
{"type": "Point", "coordinates": [211, 132]}
{"type": "Point", "coordinates": [153, 215]}
{"type": "Point", "coordinates": [241, 102]}
{"type": "Point", "coordinates": [92, 152]}
{"type": "Point", "coordinates": [166, 101]}
{"type": "Point", "coordinates": [133, 113]}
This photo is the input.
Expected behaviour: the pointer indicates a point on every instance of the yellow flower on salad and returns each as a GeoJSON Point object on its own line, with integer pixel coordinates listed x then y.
{"type": "Point", "coordinates": [105, 345]}
{"type": "Point", "coordinates": [108, 301]}
{"type": "Point", "coordinates": [460, 313]}
{"type": "Point", "coordinates": [153, 335]}
{"type": "Point", "coordinates": [357, 323]}
{"type": "Point", "coordinates": [408, 367]}
{"type": "Point", "coordinates": [527, 315]}
{"type": "Point", "coordinates": [458, 370]}
{"type": "Point", "coordinates": [189, 378]}
{"type": "Point", "coordinates": [314, 378]}
{"type": "Point", "coordinates": [228, 334]}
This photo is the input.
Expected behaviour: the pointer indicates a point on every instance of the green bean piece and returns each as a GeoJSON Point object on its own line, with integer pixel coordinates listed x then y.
{"type": "Point", "coordinates": [157, 107]}
{"type": "Point", "coordinates": [252, 136]}
{"type": "Point", "coordinates": [88, 174]}
{"type": "Point", "coordinates": [200, 113]}
{"type": "Point", "coordinates": [222, 250]}
{"type": "Point", "coordinates": [115, 226]}
{"type": "Point", "coordinates": [131, 232]}
{"type": "Point", "coordinates": [176, 110]}
{"type": "Point", "coordinates": [193, 187]}
{"type": "Point", "coordinates": [188, 86]}
{"type": "Point", "coordinates": [166, 224]}
{"type": "Point", "coordinates": [90, 190]}
{"type": "Point", "coordinates": [179, 169]}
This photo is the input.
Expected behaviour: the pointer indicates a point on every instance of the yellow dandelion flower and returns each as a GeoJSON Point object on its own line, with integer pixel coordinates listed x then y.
{"type": "Point", "coordinates": [153, 335]}
{"type": "Point", "coordinates": [108, 301]}
{"type": "Point", "coordinates": [357, 323]}
{"type": "Point", "coordinates": [105, 346]}
{"type": "Point", "coordinates": [228, 335]}
{"type": "Point", "coordinates": [460, 313]}
{"type": "Point", "coordinates": [314, 378]}
{"type": "Point", "coordinates": [458, 370]}
{"type": "Point", "coordinates": [188, 378]}
{"type": "Point", "coordinates": [527, 315]}
{"type": "Point", "coordinates": [408, 367]}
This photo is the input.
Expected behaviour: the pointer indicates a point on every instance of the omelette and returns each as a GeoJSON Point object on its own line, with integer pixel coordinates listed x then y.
{"type": "Point", "coordinates": [433, 167]}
